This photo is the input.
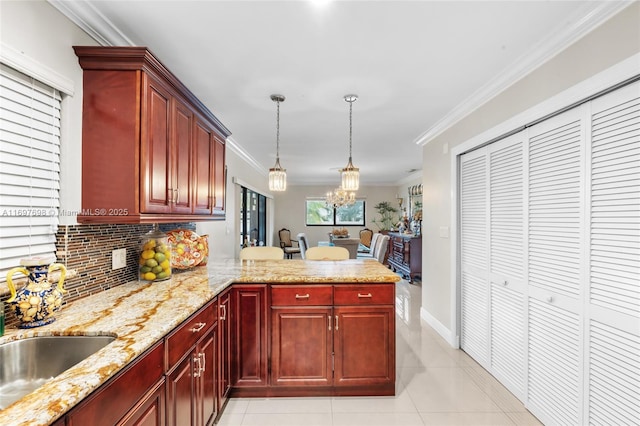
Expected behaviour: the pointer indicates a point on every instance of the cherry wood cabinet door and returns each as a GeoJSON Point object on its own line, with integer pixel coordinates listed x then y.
{"type": "Point", "coordinates": [180, 154]}
{"type": "Point", "coordinates": [219, 177]}
{"type": "Point", "coordinates": [204, 151]}
{"type": "Point", "coordinates": [224, 347]}
{"type": "Point", "coordinates": [249, 360]}
{"type": "Point", "coordinates": [364, 345]}
{"type": "Point", "coordinates": [206, 400]}
{"type": "Point", "coordinates": [301, 346]}
{"type": "Point", "coordinates": [181, 393]}
{"type": "Point", "coordinates": [155, 149]}
{"type": "Point", "coordinates": [150, 411]}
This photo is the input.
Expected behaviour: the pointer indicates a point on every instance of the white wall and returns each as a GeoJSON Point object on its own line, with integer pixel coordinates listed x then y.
{"type": "Point", "coordinates": [609, 44]}
{"type": "Point", "coordinates": [44, 35]}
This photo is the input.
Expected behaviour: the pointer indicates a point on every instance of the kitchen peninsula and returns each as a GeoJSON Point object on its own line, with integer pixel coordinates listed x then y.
{"type": "Point", "coordinates": [252, 328]}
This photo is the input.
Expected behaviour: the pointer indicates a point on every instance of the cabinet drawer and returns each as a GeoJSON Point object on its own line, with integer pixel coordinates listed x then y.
{"type": "Point", "coordinates": [301, 295]}
{"type": "Point", "coordinates": [185, 336]}
{"type": "Point", "coordinates": [370, 294]}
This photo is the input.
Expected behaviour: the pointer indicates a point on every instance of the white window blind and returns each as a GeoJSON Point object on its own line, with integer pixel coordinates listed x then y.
{"type": "Point", "coordinates": [29, 167]}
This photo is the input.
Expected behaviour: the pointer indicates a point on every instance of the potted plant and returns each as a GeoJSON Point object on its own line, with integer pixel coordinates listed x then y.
{"type": "Point", "coordinates": [387, 216]}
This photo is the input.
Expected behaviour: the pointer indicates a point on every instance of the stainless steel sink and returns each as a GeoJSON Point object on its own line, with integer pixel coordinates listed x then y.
{"type": "Point", "coordinates": [27, 364]}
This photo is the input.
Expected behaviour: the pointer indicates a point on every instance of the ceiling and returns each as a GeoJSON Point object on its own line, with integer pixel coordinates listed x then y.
{"type": "Point", "coordinates": [413, 64]}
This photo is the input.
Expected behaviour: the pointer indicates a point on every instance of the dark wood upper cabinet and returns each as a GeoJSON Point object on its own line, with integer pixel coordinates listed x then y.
{"type": "Point", "coordinates": [151, 151]}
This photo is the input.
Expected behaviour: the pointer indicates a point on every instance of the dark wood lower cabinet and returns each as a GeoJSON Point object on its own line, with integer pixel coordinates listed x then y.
{"type": "Point", "coordinates": [192, 384]}
{"type": "Point", "coordinates": [224, 347]}
{"type": "Point", "coordinates": [149, 411]}
{"type": "Point", "coordinates": [258, 340]}
{"type": "Point", "coordinates": [364, 346]}
{"type": "Point", "coordinates": [301, 346]}
{"type": "Point", "coordinates": [249, 337]}
{"type": "Point", "coordinates": [129, 397]}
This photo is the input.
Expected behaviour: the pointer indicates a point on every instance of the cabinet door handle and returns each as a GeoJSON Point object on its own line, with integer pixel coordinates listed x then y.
{"type": "Point", "coordinates": [224, 312]}
{"type": "Point", "coordinates": [365, 296]}
{"type": "Point", "coordinates": [196, 370]}
{"type": "Point", "coordinates": [303, 296]}
{"type": "Point", "coordinates": [329, 318]}
{"type": "Point", "coordinates": [203, 363]}
{"type": "Point", "coordinates": [199, 327]}
{"type": "Point", "coordinates": [336, 323]}
{"type": "Point", "coordinates": [177, 195]}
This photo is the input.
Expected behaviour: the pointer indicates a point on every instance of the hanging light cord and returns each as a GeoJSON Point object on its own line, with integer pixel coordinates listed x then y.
{"type": "Point", "coordinates": [278, 131]}
{"type": "Point", "coordinates": [350, 126]}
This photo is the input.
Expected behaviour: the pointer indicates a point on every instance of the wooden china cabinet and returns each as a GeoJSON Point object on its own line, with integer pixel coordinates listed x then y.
{"type": "Point", "coordinates": [151, 151]}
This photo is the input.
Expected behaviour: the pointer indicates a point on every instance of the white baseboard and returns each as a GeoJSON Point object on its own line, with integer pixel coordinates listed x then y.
{"type": "Point", "coordinates": [443, 331]}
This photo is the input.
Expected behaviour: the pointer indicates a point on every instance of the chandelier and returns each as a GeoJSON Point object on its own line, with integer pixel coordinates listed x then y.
{"type": "Point", "coordinates": [340, 197]}
{"type": "Point", "coordinates": [277, 175]}
{"type": "Point", "coordinates": [350, 174]}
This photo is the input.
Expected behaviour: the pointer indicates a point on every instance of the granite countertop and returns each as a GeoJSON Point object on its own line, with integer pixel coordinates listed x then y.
{"type": "Point", "coordinates": [140, 314]}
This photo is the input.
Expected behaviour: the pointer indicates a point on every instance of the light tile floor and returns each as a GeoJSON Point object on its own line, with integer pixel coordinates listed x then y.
{"type": "Point", "coordinates": [435, 385]}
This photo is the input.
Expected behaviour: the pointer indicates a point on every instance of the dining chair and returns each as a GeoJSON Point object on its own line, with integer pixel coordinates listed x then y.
{"type": "Point", "coordinates": [381, 251]}
{"type": "Point", "coordinates": [303, 243]}
{"type": "Point", "coordinates": [366, 235]}
{"type": "Point", "coordinates": [327, 253]}
{"type": "Point", "coordinates": [286, 243]}
{"type": "Point", "coordinates": [372, 248]}
{"type": "Point", "coordinates": [261, 253]}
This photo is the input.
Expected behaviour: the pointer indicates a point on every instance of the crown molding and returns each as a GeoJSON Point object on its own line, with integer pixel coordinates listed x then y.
{"type": "Point", "coordinates": [245, 156]}
{"type": "Point", "coordinates": [591, 16]}
{"type": "Point", "coordinates": [91, 21]}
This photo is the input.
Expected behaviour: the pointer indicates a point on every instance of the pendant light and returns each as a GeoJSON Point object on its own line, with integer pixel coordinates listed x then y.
{"type": "Point", "coordinates": [350, 174]}
{"type": "Point", "coordinates": [277, 175]}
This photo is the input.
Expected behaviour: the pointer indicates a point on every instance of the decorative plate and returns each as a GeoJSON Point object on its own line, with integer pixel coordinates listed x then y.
{"type": "Point", "coordinates": [184, 248]}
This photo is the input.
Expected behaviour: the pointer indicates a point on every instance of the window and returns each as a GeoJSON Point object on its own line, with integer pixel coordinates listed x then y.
{"type": "Point", "coordinates": [29, 167]}
{"type": "Point", "coordinates": [319, 214]}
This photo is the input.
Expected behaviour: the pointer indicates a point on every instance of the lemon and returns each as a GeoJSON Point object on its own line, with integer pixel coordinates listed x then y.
{"type": "Point", "coordinates": [149, 276]}
{"type": "Point", "coordinates": [156, 269]}
{"type": "Point", "coordinates": [159, 257]}
{"type": "Point", "coordinates": [148, 254]}
{"type": "Point", "coordinates": [151, 263]}
{"type": "Point", "coordinates": [149, 245]}
{"type": "Point", "coordinates": [145, 269]}
{"type": "Point", "coordinates": [162, 275]}
{"type": "Point", "coordinates": [165, 264]}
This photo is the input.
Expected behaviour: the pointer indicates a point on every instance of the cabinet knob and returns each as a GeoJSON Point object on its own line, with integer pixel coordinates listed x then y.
{"type": "Point", "coordinates": [549, 299]}
{"type": "Point", "coordinates": [505, 283]}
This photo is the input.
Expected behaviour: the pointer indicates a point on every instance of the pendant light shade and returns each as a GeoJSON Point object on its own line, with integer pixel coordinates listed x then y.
{"type": "Point", "coordinates": [277, 175]}
{"type": "Point", "coordinates": [350, 174]}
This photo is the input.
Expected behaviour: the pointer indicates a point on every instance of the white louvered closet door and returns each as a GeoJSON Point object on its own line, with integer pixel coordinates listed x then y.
{"type": "Point", "coordinates": [555, 241]}
{"type": "Point", "coordinates": [474, 297]}
{"type": "Point", "coordinates": [506, 259]}
{"type": "Point", "coordinates": [614, 259]}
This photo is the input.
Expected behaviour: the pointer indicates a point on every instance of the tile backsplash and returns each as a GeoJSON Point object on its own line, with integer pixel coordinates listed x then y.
{"type": "Point", "coordinates": [87, 250]}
